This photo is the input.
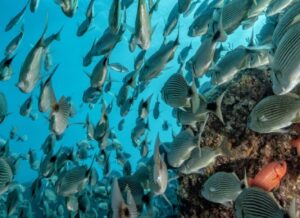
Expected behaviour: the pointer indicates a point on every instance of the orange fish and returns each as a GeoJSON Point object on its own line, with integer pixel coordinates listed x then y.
{"type": "Point", "coordinates": [269, 176]}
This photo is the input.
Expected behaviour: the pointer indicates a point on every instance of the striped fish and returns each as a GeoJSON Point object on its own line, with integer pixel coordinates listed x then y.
{"type": "Point", "coordinates": [257, 7]}
{"type": "Point", "coordinates": [135, 187]}
{"type": "Point", "coordinates": [175, 91]}
{"type": "Point", "coordinates": [6, 175]}
{"type": "Point", "coordinates": [230, 65]}
{"type": "Point", "coordinates": [286, 62]}
{"type": "Point", "coordinates": [73, 181]}
{"type": "Point", "coordinates": [222, 187]}
{"type": "Point", "coordinates": [3, 107]}
{"type": "Point", "coordinates": [274, 113]}
{"type": "Point", "coordinates": [200, 25]}
{"type": "Point", "coordinates": [203, 157]}
{"type": "Point", "coordinates": [183, 5]}
{"type": "Point", "coordinates": [181, 147]}
{"type": "Point", "coordinates": [277, 6]}
{"type": "Point", "coordinates": [265, 34]}
{"type": "Point", "coordinates": [115, 16]}
{"type": "Point", "coordinates": [254, 202]}
{"type": "Point", "coordinates": [233, 13]}
{"type": "Point", "coordinates": [59, 116]}
{"type": "Point", "coordinates": [291, 16]}
{"type": "Point", "coordinates": [120, 208]}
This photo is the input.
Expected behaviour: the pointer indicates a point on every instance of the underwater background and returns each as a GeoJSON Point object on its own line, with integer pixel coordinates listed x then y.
{"type": "Point", "coordinates": [71, 80]}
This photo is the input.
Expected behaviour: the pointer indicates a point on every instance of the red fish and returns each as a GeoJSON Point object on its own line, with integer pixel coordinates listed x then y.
{"type": "Point", "coordinates": [269, 176]}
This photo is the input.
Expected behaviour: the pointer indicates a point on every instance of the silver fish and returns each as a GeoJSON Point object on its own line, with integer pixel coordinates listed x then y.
{"type": "Point", "coordinates": [115, 16]}
{"type": "Point", "coordinates": [73, 181]}
{"type": "Point", "coordinates": [143, 109]}
{"type": "Point", "coordinates": [265, 34]}
{"type": "Point", "coordinates": [202, 59]}
{"type": "Point", "coordinates": [177, 93]}
{"type": "Point", "coordinates": [139, 60]}
{"type": "Point", "coordinates": [120, 208]}
{"type": "Point", "coordinates": [158, 176]}
{"type": "Point", "coordinates": [91, 95]}
{"type": "Point", "coordinates": [172, 21]}
{"type": "Point", "coordinates": [274, 113]}
{"type": "Point", "coordinates": [257, 7]}
{"type": "Point", "coordinates": [230, 65]}
{"type": "Point", "coordinates": [33, 159]}
{"type": "Point", "coordinates": [14, 43]}
{"type": "Point", "coordinates": [181, 147]}
{"type": "Point", "coordinates": [118, 67]}
{"type": "Point", "coordinates": [202, 157]}
{"type": "Point", "coordinates": [200, 25]}
{"type": "Point", "coordinates": [290, 17]}
{"type": "Point", "coordinates": [68, 7]}
{"type": "Point", "coordinates": [84, 27]}
{"type": "Point", "coordinates": [285, 64]}
{"type": "Point", "coordinates": [184, 54]}
{"type": "Point", "coordinates": [3, 107]}
{"type": "Point", "coordinates": [143, 30]}
{"type": "Point", "coordinates": [47, 97]}
{"type": "Point", "coordinates": [222, 187]}
{"type": "Point", "coordinates": [156, 63]}
{"type": "Point", "coordinates": [183, 5]}
{"type": "Point", "coordinates": [99, 74]}
{"type": "Point", "coordinates": [234, 13]}
{"type": "Point", "coordinates": [278, 6]}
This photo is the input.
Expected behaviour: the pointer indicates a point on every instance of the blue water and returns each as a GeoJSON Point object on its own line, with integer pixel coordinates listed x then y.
{"type": "Point", "coordinates": [70, 79]}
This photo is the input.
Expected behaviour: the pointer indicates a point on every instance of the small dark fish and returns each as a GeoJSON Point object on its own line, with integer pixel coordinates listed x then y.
{"type": "Point", "coordinates": [91, 95]}
{"type": "Point", "coordinates": [139, 60]}
{"type": "Point", "coordinates": [3, 107]}
{"type": "Point", "coordinates": [156, 109]}
{"type": "Point", "coordinates": [14, 43]}
{"type": "Point", "coordinates": [6, 68]}
{"type": "Point", "coordinates": [115, 16]}
{"type": "Point", "coordinates": [34, 5]}
{"type": "Point", "coordinates": [13, 21]}
{"type": "Point", "coordinates": [26, 107]}
{"type": "Point", "coordinates": [84, 27]}
{"type": "Point", "coordinates": [121, 125]}
{"type": "Point", "coordinates": [184, 54]}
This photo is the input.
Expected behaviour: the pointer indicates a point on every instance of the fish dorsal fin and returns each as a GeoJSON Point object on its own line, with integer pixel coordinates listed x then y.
{"type": "Point", "coordinates": [245, 180]}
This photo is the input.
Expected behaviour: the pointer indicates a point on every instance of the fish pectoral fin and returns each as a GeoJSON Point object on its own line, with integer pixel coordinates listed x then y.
{"type": "Point", "coordinates": [263, 118]}
{"type": "Point", "coordinates": [212, 189]}
{"type": "Point", "coordinates": [227, 204]}
{"type": "Point", "coordinates": [297, 118]}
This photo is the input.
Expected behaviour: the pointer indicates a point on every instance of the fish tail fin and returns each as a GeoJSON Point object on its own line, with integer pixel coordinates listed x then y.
{"type": "Point", "coordinates": [218, 110]}
{"type": "Point", "coordinates": [292, 208]}
{"type": "Point", "coordinates": [219, 34]}
{"type": "Point", "coordinates": [247, 182]}
{"type": "Point", "coordinates": [225, 147]}
{"type": "Point", "coordinates": [195, 97]}
{"type": "Point", "coordinates": [57, 35]}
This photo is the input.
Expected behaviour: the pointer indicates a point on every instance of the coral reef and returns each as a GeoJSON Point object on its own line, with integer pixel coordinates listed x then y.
{"type": "Point", "coordinates": [250, 150]}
